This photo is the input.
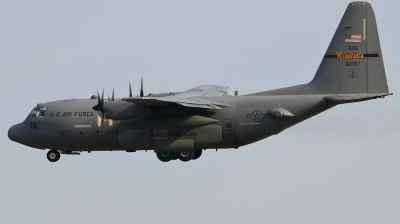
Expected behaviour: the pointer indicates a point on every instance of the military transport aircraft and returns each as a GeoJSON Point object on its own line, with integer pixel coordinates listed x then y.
{"type": "Point", "coordinates": [182, 124]}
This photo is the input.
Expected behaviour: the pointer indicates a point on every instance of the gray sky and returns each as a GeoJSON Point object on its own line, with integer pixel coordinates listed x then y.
{"type": "Point", "coordinates": [341, 166]}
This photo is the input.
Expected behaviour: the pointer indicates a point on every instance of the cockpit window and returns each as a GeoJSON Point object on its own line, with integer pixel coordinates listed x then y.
{"type": "Point", "coordinates": [38, 112]}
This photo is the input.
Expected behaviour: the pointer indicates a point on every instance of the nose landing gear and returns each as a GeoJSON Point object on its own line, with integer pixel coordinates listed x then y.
{"type": "Point", "coordinates": [53, 155]}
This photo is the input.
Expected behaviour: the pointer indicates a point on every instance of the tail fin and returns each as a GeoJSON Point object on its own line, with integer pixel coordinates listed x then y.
{"type": "Point", "coordinates": [353, 62]}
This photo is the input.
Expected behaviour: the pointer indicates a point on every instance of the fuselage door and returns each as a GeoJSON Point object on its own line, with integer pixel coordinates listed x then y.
{"type": "Point", "coordinates": [228, 131]}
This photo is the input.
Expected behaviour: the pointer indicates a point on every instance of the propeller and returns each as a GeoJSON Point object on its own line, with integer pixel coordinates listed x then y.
{"type": "Point", "coordinates": [141, 87]}
{"type": "Point", "coordinates": [130, 89]}
{"type": "Point", "coordinates": [111, 121]}
{"type": "Point", "coordinates": [100, 109]}
{"type": "Point", "coordinates": [112, 96]}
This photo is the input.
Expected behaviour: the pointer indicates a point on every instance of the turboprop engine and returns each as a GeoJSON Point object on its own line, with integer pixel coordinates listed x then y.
{"type": "Point", "coordinates": [170, 122]}
{"type": "Point", "coordinates": [121, 110]}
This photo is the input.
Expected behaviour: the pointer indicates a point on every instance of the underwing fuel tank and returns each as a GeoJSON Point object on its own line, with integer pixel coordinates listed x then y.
{"type": "Point", "coordinates": [170, 122]}
{"type": "Point", "coordinates": [120, 110]}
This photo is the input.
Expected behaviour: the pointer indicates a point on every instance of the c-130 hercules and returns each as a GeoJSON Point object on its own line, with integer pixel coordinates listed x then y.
{"type": "Point", "coordinates": [182, 124]}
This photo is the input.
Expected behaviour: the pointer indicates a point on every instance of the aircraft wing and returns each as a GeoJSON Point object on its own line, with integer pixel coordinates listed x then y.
{"type": "Point", "coordinates": [189, 98]}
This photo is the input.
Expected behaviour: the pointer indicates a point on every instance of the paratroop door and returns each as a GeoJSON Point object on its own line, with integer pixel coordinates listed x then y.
{"type": "Point", "coordinates": [228, 131]}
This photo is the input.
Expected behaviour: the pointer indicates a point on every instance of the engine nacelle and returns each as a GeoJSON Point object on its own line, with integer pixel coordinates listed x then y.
{"type": "Point", "coordinates": [121, 110]}
{"type": "Point", "coordinates": [169, 122]}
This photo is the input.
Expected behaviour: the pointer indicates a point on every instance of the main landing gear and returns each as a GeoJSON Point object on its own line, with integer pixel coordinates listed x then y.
{"type": "Point", "coordinates": [53, 155]}
{"type": "Point", "coordinates": [182, 156]}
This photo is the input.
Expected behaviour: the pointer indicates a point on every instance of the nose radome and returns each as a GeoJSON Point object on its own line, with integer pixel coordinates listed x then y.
{"type": "Point", "coordinates": [11, 133]}
{"type": "Point", "coordinates": [17, 133]}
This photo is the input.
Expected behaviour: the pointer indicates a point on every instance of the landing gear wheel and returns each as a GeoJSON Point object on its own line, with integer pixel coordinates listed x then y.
{"type": "Point", "coordinates": [53, 155]}
{"type": "Point", "coordinates": [197, 154]}
{"type": "Point", "coordinates": [164, 156]}
{"type": "Point", "coordinates": [175, 156]}
{"type": "Point", "coordinates": [186, 156]}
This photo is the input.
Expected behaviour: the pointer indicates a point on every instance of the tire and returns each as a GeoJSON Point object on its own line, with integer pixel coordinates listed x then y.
{"type": "Point", "coordinates": [197, 154]}
{"type": "Point", "coordinates": [164, 156]}
{"type": "Point", "coordinates": [53, 155]}
{"type": "Point", "coordinates": [186, 156]}
{"type": "Point", "coordinates": [175, 156]}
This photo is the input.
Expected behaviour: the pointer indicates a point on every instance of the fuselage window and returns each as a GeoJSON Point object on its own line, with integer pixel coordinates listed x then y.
{"type": "Point", "coordinates": [38, 112]}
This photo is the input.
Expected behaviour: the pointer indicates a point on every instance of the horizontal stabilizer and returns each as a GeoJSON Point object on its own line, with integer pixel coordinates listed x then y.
{"type": "Point", "coordinates": [355, 98]}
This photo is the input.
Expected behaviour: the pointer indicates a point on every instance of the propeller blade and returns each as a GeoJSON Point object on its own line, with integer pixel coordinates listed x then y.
{"type": "Point", "coordinates": [100, 102]}
{"type": "Point", "coordinates": [99, 109]}
{"type": "Point", "coordinates": [141, 87]}
{"type": "Point", "coordinates": [102, 98]}
{"type": "Point", "coordinates": [130, 90]}
{"type": "Point", "coordinates": [112, 97]}
{"type": "Point", "coordinates": [98, 96]}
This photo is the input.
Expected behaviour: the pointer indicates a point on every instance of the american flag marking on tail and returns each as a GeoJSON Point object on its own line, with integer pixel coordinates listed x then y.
{"type": "Point", "coordinates": [354, 38]}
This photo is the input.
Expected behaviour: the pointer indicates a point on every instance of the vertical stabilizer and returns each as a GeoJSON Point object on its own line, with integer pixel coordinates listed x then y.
{"type": "Point", "coordinates": [353, 63]}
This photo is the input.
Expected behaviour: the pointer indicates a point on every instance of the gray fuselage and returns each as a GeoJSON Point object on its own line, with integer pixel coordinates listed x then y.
{"type": "Point", "coordinates": [71, 125]}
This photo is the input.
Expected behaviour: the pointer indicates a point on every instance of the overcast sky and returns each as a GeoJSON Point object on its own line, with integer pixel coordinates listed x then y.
{"type": "Point", "coordinates": [342, 166]}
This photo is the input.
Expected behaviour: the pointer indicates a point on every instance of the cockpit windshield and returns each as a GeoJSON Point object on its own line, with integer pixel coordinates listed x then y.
{"type": "Point", "coordinates": [38, 111]}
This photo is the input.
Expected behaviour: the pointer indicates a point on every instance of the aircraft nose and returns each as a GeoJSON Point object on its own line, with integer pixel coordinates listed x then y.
{"type": "Point", "coordinates": [17, 133]}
